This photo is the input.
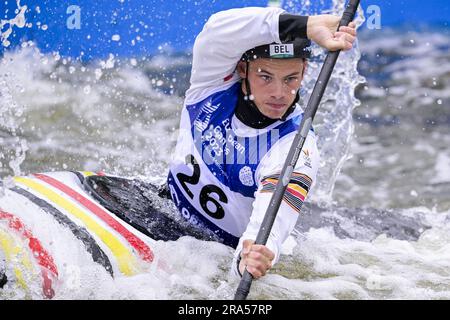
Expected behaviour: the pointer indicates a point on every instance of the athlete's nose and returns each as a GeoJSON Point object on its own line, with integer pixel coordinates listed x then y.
{"type": "Point", "coordinates": [278, 88]}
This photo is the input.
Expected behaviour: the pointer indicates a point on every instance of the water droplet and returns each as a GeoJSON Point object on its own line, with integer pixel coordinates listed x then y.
{"type": "Point", "coordinates": [439, 101]}
{"type": "Point", "coordinates": [87, 89]}
{"type": "Point", "coordinates": [98, 74]}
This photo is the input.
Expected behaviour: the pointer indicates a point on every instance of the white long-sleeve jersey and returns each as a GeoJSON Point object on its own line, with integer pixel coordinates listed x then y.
{"type": "Point", "coordinates": [223, 172]}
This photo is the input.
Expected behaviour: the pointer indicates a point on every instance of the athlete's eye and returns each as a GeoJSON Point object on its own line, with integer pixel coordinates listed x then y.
{"type": "Point", "coordinates": [266, 77]}
{"type": "Point", "coordinates": [291, 79]}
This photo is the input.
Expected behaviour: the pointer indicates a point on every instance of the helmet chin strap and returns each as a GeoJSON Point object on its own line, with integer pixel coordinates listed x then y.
{"type": "Point", "coordinates": [247, 83]}
{"type": "Point", "coordinates": [252, 104]}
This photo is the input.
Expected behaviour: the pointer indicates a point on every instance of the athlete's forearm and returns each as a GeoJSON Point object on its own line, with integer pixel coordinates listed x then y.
{"type": "Point", "coordinates": [268, 175]}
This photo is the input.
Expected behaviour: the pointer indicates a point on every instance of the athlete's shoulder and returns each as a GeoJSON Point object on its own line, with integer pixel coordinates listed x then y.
{"type": "Point", "coordinates": [198, 95]}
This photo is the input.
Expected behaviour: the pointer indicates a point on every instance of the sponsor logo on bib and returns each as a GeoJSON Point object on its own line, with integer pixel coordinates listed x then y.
{"type": "Point", "coordinates": [246, 176]}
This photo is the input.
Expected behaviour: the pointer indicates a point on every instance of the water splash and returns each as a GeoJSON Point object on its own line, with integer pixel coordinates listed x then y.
{"type": "Point", "coordinates": [18, 21]}
{"type": "Point", "coordinates": [13, 146]}
{"type": "Point", "coordinates": [333, 123]}
{"type": "Point", "coordinates": [81, 116]}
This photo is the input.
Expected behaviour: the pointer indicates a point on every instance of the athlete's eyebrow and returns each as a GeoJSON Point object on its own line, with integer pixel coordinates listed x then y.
{"type": "Point", "coordinates": [265, 71]}
{"type": "Point", "coordinates": [295, 73]}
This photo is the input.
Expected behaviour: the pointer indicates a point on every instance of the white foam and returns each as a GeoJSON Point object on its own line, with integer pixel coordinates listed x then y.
{"type": "Point", "coordinates": [442, 168]}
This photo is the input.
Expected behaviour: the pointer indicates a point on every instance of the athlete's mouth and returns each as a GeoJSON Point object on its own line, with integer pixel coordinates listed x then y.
{"type": "Point", "coordinates": [277, 106]}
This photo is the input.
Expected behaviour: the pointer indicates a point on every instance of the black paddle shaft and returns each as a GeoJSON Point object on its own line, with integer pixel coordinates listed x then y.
{"type": "Point", "coordinates": [296, 147]}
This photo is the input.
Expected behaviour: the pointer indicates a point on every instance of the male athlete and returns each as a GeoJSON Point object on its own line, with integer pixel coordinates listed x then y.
{"type": "Point", "coordinates": [238, 123]}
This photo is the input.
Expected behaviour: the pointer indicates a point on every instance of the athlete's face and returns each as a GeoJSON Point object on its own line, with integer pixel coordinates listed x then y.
{"type": "Point", "coordinates": [274, 83]}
